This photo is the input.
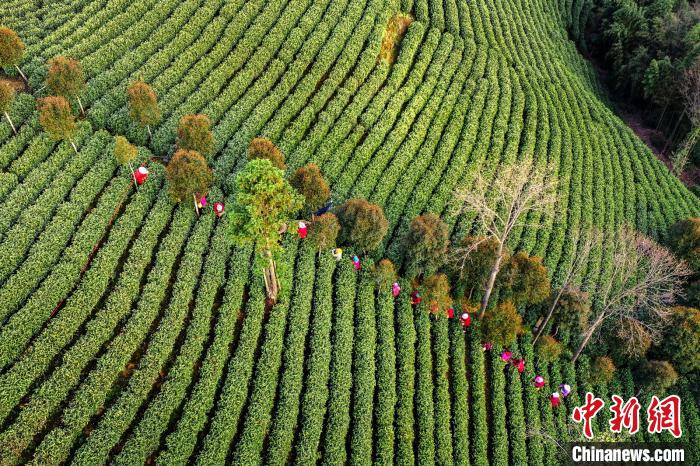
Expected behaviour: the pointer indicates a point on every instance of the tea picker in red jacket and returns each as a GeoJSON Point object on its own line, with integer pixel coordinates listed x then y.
{"type": "Point", "coordinates": [302, 230]}
{"type": "Point", "coordinates": [141, 174]}
{"type": "Point", "coordinates": [219, 209]}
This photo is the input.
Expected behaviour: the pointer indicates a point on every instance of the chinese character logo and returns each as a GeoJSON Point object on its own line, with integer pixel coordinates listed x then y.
{"type": "Point", "coordinates": [665, 415]}
{"type": "Point", "coordinates": [587, 412]}
{"type": "Point", "coordinates": [625, 415]}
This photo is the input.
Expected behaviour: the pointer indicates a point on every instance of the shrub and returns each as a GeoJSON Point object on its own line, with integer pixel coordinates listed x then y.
{"type": "Point", "coordinates": [548, 349]}
{"type": "Point", "coordinates": [187, 174]}
{"type": "Point", "coordinates": [602, 370]}
{"type": "Point", "coordinates": [436, 290]}
{"type": "Point", "coordinates": [631, 341]}
{"type": "Point", "coordinates": [502, 324]}
{"type": "Point", "coordinates": [683, 339]}
{"type": "Point", "coordinates": [384, 274]}
{"type": "Point", "coordinates": [323, 231]}
{"type": "Point", "coordinates": [310, 184]}
{"type": "Point", "coordinates": [525, 279]}
{"type": "Point", "coordinates": [263, 148]}
{"type": "Point", "coordinates": [362, 224]}
{"type": "Point", "coordinates": [194, 134]}
{"type": "Point", "coordinates": [426, 244]}
{"type": "Point", "coordinates": [657, 376]}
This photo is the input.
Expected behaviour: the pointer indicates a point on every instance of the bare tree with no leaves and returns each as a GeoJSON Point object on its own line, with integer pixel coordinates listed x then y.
{"type": "Point", "coordinates": [503, 205]}
{"type": "Point", "coordinates": [645, 281]}
{"type": "Point", "coordinates": [572, 271]}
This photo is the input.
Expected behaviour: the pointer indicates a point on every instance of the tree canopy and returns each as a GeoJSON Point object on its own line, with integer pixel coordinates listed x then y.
{"type": "Point", "coordinates": [56, 117]}
{"type": "Point", "coordinates": [264, 201]}
{"type": "Point", "coordinates": [263, 148]}
{"type": "Point", "coordinates": [194, 133]}
{"type": "Point", "coordinates": [143, 103]}
{"type": "Point", "coordinates": [65, 77]}
{"type": "Point", "coordinates": [309, 182]}
{"type": "Point", "coordinates": [11, 48]}
{"type": "Point", "coordinates": [436, 291]}
{"type": "Point", "coordinates": [187, 173]}
{"type": "Point", "coordinates": [525, 278]}
{"type": "Point", "coordinates": [323, 231]}
{"type": "Point", "coordinates": [384, 274]}
{"type": "Point", "coordinates": [425, 244]}
{"type": "Point", "coordinates": [124, 151]}
{"type": "Point", "coordinates": [502, 324]}
{"type": "Point", "coordinates": [362, 223]}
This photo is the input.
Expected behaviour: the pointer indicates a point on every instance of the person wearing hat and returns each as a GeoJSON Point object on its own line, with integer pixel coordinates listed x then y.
{"type": "Point", "coordinates": [302, 230]}
{"type": "Point", "coordinates": [219, 209]}
{"type": "Point", "coordinates": [337, 253]}
{"type": "Point", "coordinates": [141, 175]}
{"type": "Point", "coordinates": [395, 290]}
{"type": "Point", "coordinates": [539, 381]}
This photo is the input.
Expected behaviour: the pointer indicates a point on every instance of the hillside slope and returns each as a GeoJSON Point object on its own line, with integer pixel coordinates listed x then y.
{"type": "Point", "coordinates": [130, 330]}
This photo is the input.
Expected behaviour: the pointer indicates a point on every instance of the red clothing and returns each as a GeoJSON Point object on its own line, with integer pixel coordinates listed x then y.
{"type": "Point", "coordinates": [303, 230]}
{"type": "Point", "coordinates": [415, 298]}
{"type": "Point", "coordinates": [450, 312]}
{"type": "Point", "coordinates": [519, 364]}
{"type": "Point", "coordinates": [466, 319]}
{"type": "Point", "coordinates": [219, 209]}
{"type": "Point", "coordinates": [395, 290]}
{"type": "Point", "coordinates": [141, 174]}
{"type": "Point", "coordinates": [487, 346]}
{"type": "Point", "coordinates": [554, 399]}
{"type": "Point", "coordinates": [539, 381]}
{"type": "Point", "coordinates": [506, 355]}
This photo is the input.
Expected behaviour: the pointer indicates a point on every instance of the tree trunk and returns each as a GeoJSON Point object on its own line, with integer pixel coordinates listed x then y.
{"type": "Point", "coordinates": [587, 337]}
{"type": "Point", "coordinates": [80, 103]}
{"type": "Point", "coordinates": [272, 285]}
{"type": "Point", "coordinates": [150, 135]}
{"type": "Point", "coordinates": [491, 281]}
{"type": "Point", "coordinates": [21, 74]}
{"type": "Point", "coordinates": [133, 175]}
{"type": "Point", "coordinates": [673, 134]}
{"type": "Point", "coordinates": [661, 118]}
{"type": "Point", "coordinates": [7, 115]}
{"type": "Point", "coordinates": [194, 199]}
{"type": "Point", "coordinates": [549, 315]}
{"type": "Point", "coordinates": [73, 144]}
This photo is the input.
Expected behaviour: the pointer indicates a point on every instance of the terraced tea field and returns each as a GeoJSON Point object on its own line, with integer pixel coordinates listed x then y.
{"type": "Point", "coordinates": [131, 330]}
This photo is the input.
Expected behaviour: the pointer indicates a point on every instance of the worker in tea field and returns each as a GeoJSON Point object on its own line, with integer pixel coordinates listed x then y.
{"type": "Point", "coordinates": [466, 320]}
{"type": "Point", "coordinates": [201, 201]}
{"type": "Point", "coordinates": [356, 262]}
{"type": "Point", "coordinates": [141, 175]}
{"type": "Point", "coordinates": [337, 253]}
{"type": "Point", "coordinates": [416, 298]}
{"type": "Point", "coordinates": [219, 209]}
{"type": "Point", "coordinates": [302, 230]}
{"type": "Point", "coordinates": [519, 364]}
{"type": "Point", "coordinates": [487, 346]}
{"type": "Point", "coordinates": [565, 389]}
{"type": "Point", "coordinates": [539, 381]}
{"type": "Point", "coordinates": [506, 355]}
{"type": "Point", "coordinates": [395, 290]}
{"type": "Point", "coordinates": [554, 399]}
{"type": "Point", "coordinates": [450, 312]}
